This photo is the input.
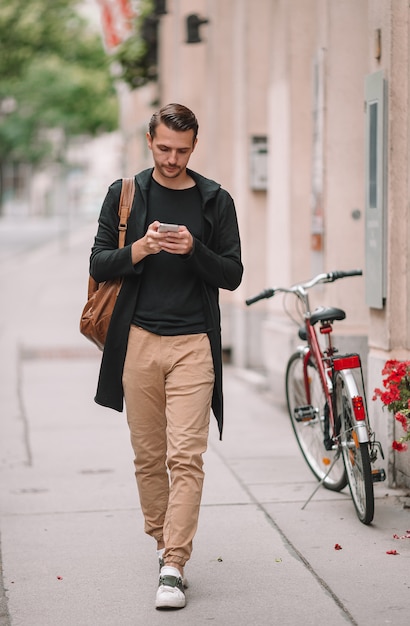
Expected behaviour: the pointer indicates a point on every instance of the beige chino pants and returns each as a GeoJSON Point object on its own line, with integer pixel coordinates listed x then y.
{"type": "Point", "coordinates": [168, 384]}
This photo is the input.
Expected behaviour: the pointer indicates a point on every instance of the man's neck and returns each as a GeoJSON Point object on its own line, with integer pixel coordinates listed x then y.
{"type": "Point", "coordinates": [183, 181]}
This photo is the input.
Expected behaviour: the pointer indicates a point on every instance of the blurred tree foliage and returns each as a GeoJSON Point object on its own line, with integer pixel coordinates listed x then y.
{"type": "Point", "coordinates": [137, 55]}
{"type": "Point", "coordinates": [54, 73]}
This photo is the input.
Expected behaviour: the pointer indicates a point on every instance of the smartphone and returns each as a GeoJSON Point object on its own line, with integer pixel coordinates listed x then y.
{"type": "Point", "coordinates": [164, 228]}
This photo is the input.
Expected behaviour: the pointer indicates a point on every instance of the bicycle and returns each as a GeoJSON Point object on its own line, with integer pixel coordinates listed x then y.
{"type": "Point", "coordinates": [328, 413]}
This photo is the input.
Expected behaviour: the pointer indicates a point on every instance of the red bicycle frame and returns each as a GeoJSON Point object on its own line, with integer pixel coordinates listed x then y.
{"type": "Point", "coordinates": [326, 376]}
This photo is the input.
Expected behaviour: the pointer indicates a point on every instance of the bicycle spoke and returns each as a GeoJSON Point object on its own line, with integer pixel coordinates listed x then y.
{"type": "Point", "coordinates": [355, 454]}
{"type": "Point", "coordinates": [310, 424]}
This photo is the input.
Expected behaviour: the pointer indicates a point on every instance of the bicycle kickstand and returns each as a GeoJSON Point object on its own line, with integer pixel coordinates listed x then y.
{"type": "Point", "coordinates": [322, 480]}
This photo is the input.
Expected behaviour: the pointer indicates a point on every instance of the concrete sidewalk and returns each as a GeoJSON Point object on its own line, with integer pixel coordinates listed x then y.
{"type": "Point", "coordinates": [73, 548]}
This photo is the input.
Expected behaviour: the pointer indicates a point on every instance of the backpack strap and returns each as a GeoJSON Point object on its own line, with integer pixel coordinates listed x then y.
{"type": "Point", "coordinates": [124, 208]}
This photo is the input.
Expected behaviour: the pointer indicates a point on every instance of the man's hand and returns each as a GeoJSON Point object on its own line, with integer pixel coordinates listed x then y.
{"type": "Point", "coordinates": [176, 243]}
{"type": "Point", "coordinates": [153, 242]}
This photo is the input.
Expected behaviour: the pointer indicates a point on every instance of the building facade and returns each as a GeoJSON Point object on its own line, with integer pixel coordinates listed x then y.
{"type": "Point", "coordinates": [285, 93]}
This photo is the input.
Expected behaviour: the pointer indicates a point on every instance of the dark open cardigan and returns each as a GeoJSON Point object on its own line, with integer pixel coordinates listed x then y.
{"type": "Point", "coordinates": [216, 260]}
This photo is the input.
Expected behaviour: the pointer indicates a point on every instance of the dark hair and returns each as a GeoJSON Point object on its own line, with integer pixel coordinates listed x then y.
{"type": "Point", "coordinates": [175, 117]}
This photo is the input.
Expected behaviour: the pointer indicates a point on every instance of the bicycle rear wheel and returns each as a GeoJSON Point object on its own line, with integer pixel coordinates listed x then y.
{"type": "Point", "coordinates": [311, 432]}
{"type": "Point", "coordinates": [355, 454]}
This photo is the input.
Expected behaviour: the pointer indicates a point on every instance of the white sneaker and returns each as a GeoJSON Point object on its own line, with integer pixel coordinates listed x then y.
{"type": "Point", "coordinates": [170, 593]}
{"type": "Point", "coordinates": [162, 564]}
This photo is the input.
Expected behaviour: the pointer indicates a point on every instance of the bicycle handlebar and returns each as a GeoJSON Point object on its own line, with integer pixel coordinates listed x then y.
{"type": "Point", "coordinates": [330, 277]}
{"type": "Point", "coordinates": [266, 293]}
{"type": "Point", "coordinates": [339, 274]}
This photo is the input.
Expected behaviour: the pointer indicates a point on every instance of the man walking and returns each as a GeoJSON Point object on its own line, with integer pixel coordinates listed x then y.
{"type": "Point", "coordinates": [163, 348]}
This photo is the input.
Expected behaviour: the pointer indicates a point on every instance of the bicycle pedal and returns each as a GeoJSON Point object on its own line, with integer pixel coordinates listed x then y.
{"type": "Point", "coordinates": [378, 475]}
{"type": "Point", "coordinates": [305, 413]}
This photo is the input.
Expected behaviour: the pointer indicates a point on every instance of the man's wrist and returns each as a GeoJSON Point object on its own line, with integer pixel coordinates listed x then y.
{"type": "Point", "coordinates": [137, 251]}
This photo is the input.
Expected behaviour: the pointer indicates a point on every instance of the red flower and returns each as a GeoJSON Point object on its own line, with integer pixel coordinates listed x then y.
{"type": "Point", "coordinates": [403, 420]}
{"type": "Point", "coordinates": [399, 446]}
{"type": "Point", "coordinates": [389, 396]}
{"type": "Point", "coordinates": [395, 395]}
{"type": "Point", "coordinates": [395, 370]}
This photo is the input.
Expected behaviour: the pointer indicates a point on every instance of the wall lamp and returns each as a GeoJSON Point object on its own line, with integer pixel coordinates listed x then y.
{"type": "Point", "coordinates": [193, 22]}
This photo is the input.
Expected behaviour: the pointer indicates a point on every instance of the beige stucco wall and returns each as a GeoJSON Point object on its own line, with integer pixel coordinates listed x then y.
{"type": "Point", "coordinates": [319, 139]}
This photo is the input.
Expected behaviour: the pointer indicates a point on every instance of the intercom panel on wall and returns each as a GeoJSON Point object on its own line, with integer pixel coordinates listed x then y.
{"type": "Point", "coordinates": [376, 222]}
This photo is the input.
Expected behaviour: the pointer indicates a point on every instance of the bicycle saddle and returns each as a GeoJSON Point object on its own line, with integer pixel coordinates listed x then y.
{"type": "Point", "coordinates": [326, 314]}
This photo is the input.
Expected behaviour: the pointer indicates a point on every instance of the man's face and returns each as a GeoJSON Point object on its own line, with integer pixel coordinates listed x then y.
{"type": "Point", "coordinates": [171, 150]}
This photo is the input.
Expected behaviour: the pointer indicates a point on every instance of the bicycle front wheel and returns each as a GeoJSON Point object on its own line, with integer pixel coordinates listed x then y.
{"type": "Point", "coordinates": [355, 454]}
{"type": "Point", "coordinates": [312, 430]}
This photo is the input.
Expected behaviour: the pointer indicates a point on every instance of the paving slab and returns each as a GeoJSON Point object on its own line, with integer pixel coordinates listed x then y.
{"type": "Point", "coordinates": [72, 543]}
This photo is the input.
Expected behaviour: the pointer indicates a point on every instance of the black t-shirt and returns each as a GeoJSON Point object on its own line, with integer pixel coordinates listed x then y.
{"type": "Point", "coordinates": [170, 297]}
